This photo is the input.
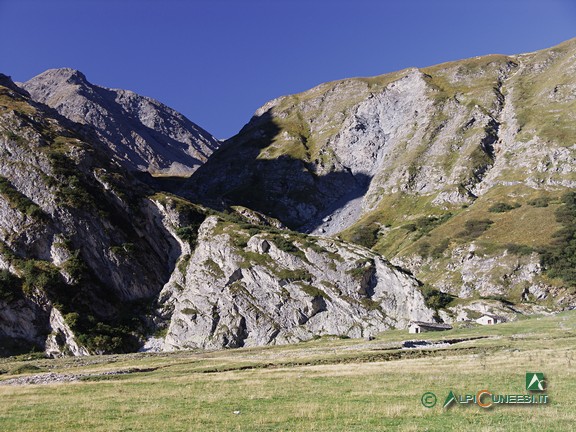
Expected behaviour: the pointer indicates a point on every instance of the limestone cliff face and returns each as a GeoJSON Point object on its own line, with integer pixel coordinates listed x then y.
{"type": "Point", "coordinates": [449, 133]}
{"type": "Point", "coordinates": [413, 163]}
{"type": "Point", "coordinates": [141, 133]}
{"type": "Point", "coordinates": [238, 288]}
{"type": "Point", "coordinates": [81, 247]}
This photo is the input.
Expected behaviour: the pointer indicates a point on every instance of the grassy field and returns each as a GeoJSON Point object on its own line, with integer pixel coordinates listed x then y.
{"type": "Point", "coordinates": [323, 385]}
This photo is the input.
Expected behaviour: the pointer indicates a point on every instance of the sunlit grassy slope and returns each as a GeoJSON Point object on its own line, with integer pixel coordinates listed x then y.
{"type": "Point", "coordinates": [323, 385]}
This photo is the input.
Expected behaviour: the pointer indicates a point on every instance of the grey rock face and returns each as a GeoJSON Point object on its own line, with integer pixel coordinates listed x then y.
{"type": "Point", "coordinates": [241, 290]}
{"type": "Point", "coordinates": [468, 274]}
{"type": "Point", "coordinates": [140, 132]}
{"type": "Point", "coordinates": [449, 133]}
{"type": "Point", "coordinates": [61, 340]}
{"type": "Point", "coordinates": [23, 326]}
{"type": "Point", "coordinates": [75, 231]}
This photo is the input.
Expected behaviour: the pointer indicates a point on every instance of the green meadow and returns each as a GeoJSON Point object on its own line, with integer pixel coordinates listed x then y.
{"type": "Point", "coordinates": [328, 384]}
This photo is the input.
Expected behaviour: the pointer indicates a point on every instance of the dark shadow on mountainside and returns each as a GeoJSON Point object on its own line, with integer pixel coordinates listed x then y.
{"type": "Point", "coordinates": [285, 188]}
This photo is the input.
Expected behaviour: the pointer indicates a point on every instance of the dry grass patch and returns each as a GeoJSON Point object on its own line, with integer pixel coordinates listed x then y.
{"type": "Point", "coordinates": [339, 395]}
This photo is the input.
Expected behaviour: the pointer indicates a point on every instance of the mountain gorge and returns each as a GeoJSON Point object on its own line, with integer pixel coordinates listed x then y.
{"type": "Point", "coordinates": [427, 194]}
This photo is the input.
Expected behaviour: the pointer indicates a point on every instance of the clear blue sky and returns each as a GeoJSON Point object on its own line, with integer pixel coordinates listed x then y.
{"type": "Point", "coordinates": [217, 61]}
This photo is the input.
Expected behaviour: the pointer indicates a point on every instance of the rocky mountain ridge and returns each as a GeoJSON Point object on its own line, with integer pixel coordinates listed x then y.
{"type": "Point", "coordinates": [427, 194]}
{"type": "Point", "coordinates": [240, 289]}
{"type": "Point", "coordinates": [425, 166]}
{"type": "Point", "coordinates": [141, 133]}
{"type": "Point", "coordinates": [435, 131]}
{"type": "Point", "coordinates": [94, 261]}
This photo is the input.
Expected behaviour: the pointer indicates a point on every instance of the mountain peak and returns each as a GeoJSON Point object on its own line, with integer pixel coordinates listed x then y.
{"type": "Point", "coordinates": [68, 75]}
{"type": "Point", "coordinates": [143, 134]}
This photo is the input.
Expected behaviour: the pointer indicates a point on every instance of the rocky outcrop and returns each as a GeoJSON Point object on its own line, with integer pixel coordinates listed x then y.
{"type": "Point", "coordinates": [61, 341]}
{"type": "Point", "coordinates": [243, 289]}
{"type": "Point", "coordinates": [468, 274]}
{"type": "Point", "coordinates": [141, 133]}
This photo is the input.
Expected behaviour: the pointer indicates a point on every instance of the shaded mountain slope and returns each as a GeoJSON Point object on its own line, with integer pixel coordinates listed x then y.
{"type": "Point", "coordinates": [81, 249]}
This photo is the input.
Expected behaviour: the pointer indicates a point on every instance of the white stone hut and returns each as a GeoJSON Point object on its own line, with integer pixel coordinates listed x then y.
{"type": "Point", "coordinates": [488, 319]}
{"type": "Point", "coordinates": [421, 327]}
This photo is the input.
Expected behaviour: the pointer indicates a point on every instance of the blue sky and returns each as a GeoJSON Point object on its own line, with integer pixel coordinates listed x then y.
{"type": "Point", "coordinates": [217, 61]}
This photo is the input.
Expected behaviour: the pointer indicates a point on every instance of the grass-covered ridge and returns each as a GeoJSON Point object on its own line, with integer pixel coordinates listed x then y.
{"type": "Point", "coordinates": [544, 95]}
{"type": "Point", "coordinates": [507, 228]}
{"type": "Point", "coordinates": [406, 221]}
